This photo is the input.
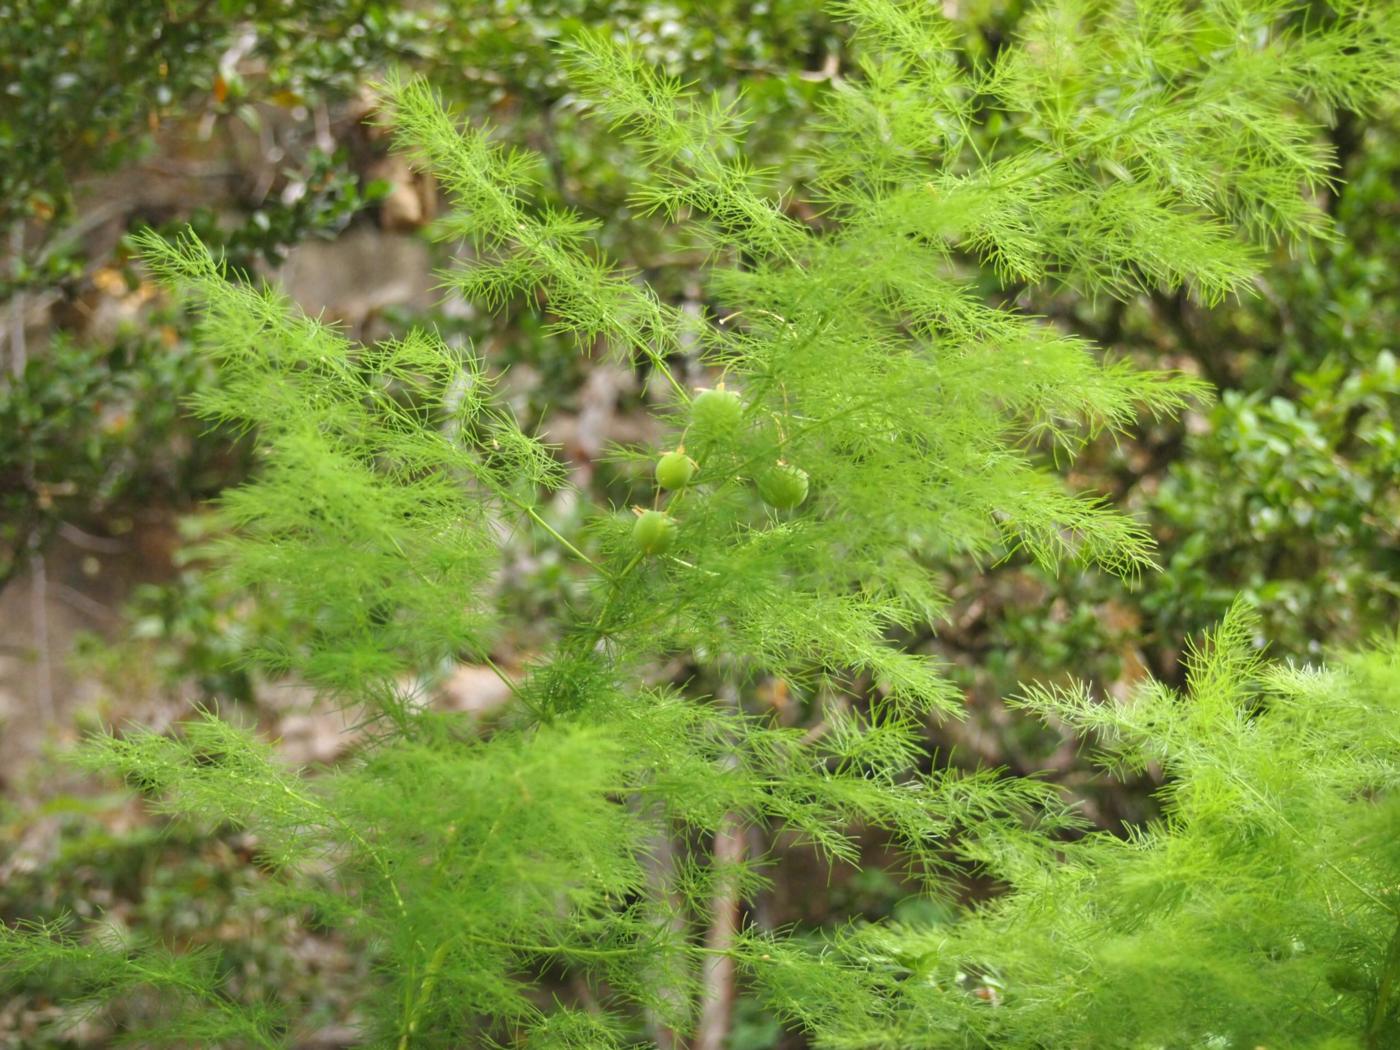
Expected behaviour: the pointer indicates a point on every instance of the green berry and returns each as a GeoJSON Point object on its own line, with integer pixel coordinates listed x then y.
{"type": "Point", "coordinates": [674, 470]}
{"type": "Point", "coordinates": [654, 532]}
{"type": "Point", "coordinates": [783, 486]}
{"type": "Point", "coordinates": [716, 411]}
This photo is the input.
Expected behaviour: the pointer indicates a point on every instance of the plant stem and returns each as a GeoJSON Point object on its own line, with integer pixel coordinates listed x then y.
{"type": "Point", "coordinates": [515, 690]}
{"type": "Point", "coordinates": [717, 971]}
{"type": "Point", "coordinates": [425, 993]}
{"type": "Point", "coordinates": [599, 626]}
{"type": "Point", "coordinates": [534, 516]}
{"type": "Point", "coordinates": [1385, 990]}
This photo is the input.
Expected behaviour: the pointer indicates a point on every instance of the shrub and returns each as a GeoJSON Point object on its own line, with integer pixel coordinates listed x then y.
{"type": "Point", "coordinates": [594, 834]}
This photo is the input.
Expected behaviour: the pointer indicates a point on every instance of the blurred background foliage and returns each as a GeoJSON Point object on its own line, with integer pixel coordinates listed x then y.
{"type": "Point", "coordinates": [252, 121]}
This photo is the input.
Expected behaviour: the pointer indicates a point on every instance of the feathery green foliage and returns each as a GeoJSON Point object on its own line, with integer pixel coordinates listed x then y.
{"type": "Point", "coordinates": [1258, 910]}
{"type": "Point", "coordinates": [385, 469]}
{"type": "Point", "coordinates": [1149, 145]}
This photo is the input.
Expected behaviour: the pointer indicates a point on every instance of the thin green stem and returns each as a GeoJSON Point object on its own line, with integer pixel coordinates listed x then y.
{"type": "Point", "coordinates": [515, 689]}
{"type": "Point", "coordinates": [416, 1002]}
{"type": "Point", "coordinates": [534, 516]}
{"type": "Point", "coordinates": [1385, 991]}
{"type": "Point", "coordinates": [1336, 868]}
{"type": "Point", "coordinates": [359, 840]}
{"type": "Point", "coordinates": [159, 979]}
{"type": "Point", "coordinates": [588, 953]}
{"type": "Point", "coordinates": [599, 625]}
{"type": "Point", "coordinates": [419, 1002]}
{"type": "Point", "coordinates": [349, 829]}
{"type": "Point", "coordinates": [659, 363]}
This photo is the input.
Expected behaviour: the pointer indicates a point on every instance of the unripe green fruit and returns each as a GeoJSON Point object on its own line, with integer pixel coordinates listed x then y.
{"type": "Point", "coordinates": [716, 411]}
{"type": "Point", "coordinates": [674, 470]}
{"type": "Point", "coordinates": [654, 532]}
{"type": "Point", "coordinates": [783, 486]}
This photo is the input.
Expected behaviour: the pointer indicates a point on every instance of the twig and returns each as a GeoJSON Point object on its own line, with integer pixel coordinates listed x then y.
{"type": "Point", "coordinates": [39, 626]}
{"type": "Point", "coordinates": [38, 572]}
{"type": "Point", "coordinates": [661, 869]}
{"type": "Point", "coordinates": [18, 356]}
{"type": "Point", "coordinates": [79, 600]}
{"type": "Point", "coordinates": [717, 976]}
{"type": "Point", "coordinates": [87, 541]}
